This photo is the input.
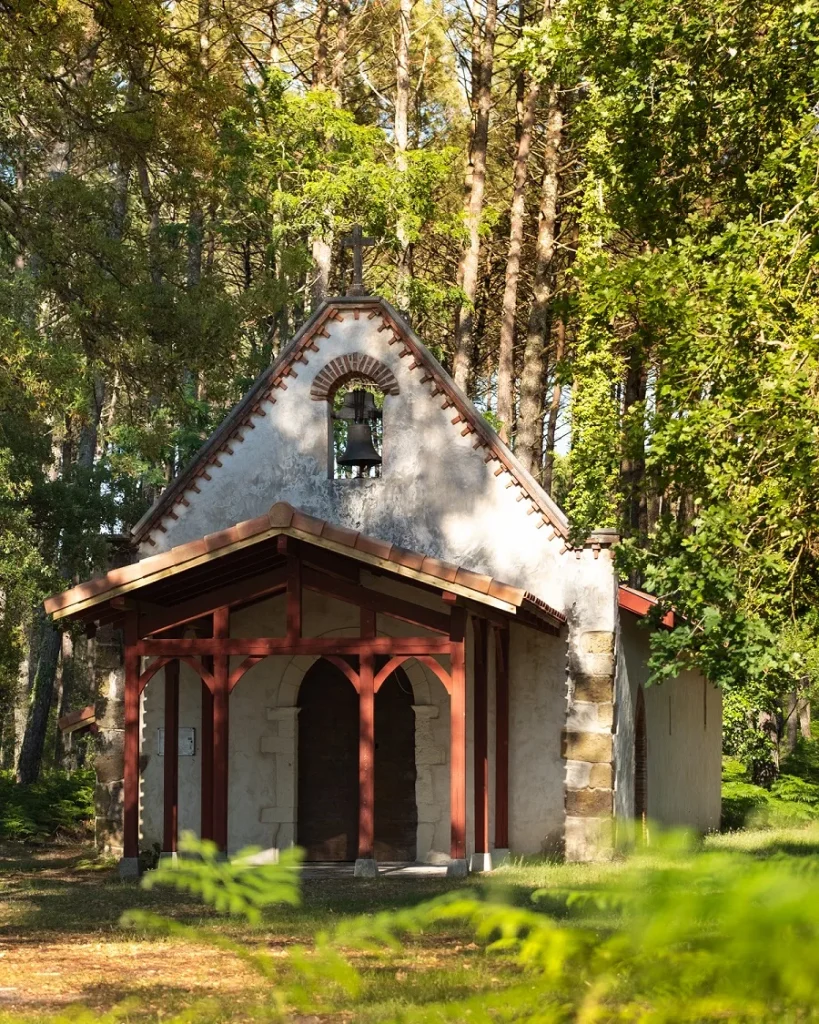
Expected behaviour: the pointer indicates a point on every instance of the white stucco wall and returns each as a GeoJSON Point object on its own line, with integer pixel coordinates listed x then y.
{"type": "Point", "coordinates": [436, 495]}
{"type": "Point", "coordinates": [684, 739]}
{"type": "Point", "coordinates": [537, 713]}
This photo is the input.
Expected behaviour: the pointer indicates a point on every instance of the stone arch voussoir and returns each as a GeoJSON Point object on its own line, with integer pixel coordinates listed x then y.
{"type": "Point", "coordinates": [349, 367]}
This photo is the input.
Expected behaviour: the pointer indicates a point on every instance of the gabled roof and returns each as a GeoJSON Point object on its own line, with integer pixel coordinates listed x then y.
{"type": "Point", "coordinates": [466, 417]}
{"type": "Point", "coordinates": [283, 519]}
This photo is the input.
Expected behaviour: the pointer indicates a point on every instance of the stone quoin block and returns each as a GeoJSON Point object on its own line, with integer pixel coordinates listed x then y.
{"type": "Point", "coordinates": [587, 746]}
{"type": "Point", "coordinates": [597, 642]}
{"type": "Point", "coordinates": [593, 689]}
{"type": "Point", "coordinates": [605, 715]}
{"type": "Point", "coordinates": [588, 803]}
{"type": "Point", "coordinates": [600, 776]}
{"type": "Point", "coordinates": [578, 774]}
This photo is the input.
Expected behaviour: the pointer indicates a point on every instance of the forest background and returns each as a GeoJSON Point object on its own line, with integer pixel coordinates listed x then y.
{"type": "Point", "coordinates": [600, 216]}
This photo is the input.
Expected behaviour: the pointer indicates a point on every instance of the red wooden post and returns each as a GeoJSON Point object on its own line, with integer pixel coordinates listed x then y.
{"type": "Point", "coordinates": [457, 729]}
{"type": "Point", "coordinates": [366, 742]}
{"type": "Point", "coordinates": [366, 759]}
{"type": "Point", "coordinates": [221, 672]}
{"type": "Point", "coordinates": [131, 752]}
{"type": "Point", "coordinates": [171, 794]}
{"type": "Point", "coordinates": [501, 739]}
{"type": "Point", "coordinates": [206, 753]}
{"type": "Point", "coordinates": [481, 709]}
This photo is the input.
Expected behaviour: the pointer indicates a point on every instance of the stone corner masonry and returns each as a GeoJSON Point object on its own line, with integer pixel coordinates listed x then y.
{"type": "Point", "coordinates": [588, 747]}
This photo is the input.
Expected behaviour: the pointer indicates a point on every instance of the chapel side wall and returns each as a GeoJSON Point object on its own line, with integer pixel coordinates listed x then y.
{"type": "Point", "coordinates": [537, 713]}
{"type": "Point", "coordinates": [684, 740]}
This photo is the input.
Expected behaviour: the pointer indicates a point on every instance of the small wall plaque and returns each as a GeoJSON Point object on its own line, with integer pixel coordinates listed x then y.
{"type": "Point", "coordinates": [187, 741]}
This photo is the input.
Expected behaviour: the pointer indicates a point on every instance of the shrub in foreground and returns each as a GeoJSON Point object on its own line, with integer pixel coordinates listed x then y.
{"type": "Point", "coordinates": [57, 802]}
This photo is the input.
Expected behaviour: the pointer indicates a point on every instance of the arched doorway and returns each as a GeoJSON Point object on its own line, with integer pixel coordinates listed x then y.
{"type": "Point", "coordinates": [640, 769]}
{"type": "Point", "coordinates": [328, 765]}
{"type": "Point", "coordinates": [396, 812]}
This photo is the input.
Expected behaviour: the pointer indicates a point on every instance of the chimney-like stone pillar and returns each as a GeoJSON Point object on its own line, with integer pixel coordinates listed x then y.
{"type": "Point", "coordinates": [588, 747]}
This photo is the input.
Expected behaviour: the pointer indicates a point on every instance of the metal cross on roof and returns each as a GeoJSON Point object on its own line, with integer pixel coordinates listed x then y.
{"type": "Point", "coordinates": [356, 241]}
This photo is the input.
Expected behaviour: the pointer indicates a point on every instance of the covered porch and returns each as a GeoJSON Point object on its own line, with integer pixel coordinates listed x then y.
{"type": "Point", "coordinates": [223, 606]}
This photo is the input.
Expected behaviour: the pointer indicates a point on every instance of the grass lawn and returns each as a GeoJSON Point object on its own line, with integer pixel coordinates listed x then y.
{"type": "Point", "coordinates": [61, 943]}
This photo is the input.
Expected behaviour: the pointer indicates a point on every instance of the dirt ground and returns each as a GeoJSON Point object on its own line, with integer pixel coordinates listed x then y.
{"type": "Point", "coordinates": [61, 943]}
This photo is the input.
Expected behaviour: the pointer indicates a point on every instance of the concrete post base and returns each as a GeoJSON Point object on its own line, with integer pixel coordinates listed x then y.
{"type": "Point", "coordinates": [128, 867]}
{"type": "Point", "coordinates": [480, 862]}
{"type": "Point", "coordinates": [500, 857]}
{"type": "Point", "coordinates": [365, 867]}
{"type": "Point", "coordinates": [171, 856]}
{"type": "Point", "coordinates": [457, 869]}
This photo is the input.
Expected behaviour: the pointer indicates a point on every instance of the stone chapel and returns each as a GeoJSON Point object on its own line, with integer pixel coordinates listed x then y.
{"type": "Point", "coordinates": [355, 623]}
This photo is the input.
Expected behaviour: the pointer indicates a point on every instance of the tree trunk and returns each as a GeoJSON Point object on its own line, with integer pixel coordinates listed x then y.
{"type": "Point", "coordinates": [340, 57]}
{"type": "Point", "coordinates": [559, 332]}
{"type": "Point", "coordinates": [42, 691]}
{"type": "Point", "coordinates": [527, 108]}
{"type": "Point", "coordinates": [529, 447]}
{"type": "Point", "coordinates": [319, 77]}
{"type": "Point", "coordinates": [66, 695]}
{"type": "Point", "coordinates": [402, 99]}
{"type": "Point", "coordinates": [475, 187]}
{"type": "Point", "coordinates": [632, 466]}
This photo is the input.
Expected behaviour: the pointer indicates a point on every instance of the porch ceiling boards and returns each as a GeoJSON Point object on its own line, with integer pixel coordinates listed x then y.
{"type": "Point", "coordinates": [247, 562]}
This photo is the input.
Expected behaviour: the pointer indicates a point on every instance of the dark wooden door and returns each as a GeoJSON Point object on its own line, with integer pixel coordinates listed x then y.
{"type": "Point", "coordinates": [396, 812]}
{"type": "Point", "coordinates": [328, 765]}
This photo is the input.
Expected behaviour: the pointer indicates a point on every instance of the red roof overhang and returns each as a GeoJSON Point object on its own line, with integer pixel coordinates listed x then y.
{"type": "Point", "coordinates": [639, 603]}
{"type": "Point", "coordinates": [176, 583]}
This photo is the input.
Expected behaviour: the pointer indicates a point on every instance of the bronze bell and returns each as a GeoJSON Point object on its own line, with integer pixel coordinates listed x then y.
{"type": "Point", "coordinates": [360, 411]}
{"type": "Point", "coordinates": [360, 450]}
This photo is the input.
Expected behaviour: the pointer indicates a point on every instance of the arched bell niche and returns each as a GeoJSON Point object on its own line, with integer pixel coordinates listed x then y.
{"type": "Point", "coordinates": [354, 387]}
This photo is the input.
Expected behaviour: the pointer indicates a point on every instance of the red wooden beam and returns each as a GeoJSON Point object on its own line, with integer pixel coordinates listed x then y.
{"type": "Point", "coordinates": [501, 739]}
{"type": "Point", "coordinates": [130, 784]}
{"type": "Point", "coordinates": [481, 709]}
{"type": "Point", "coordinates": [221, 694]}
{"type": "Point", "coordinates": [457, 726]}
{"type": "Point", "coordinates": [171, 788]}
{"type": "Point", "coordinates": [241, 592]}
{"type": "Point", "coordinates": [362, 596]}
{"type": "Point", "coordinates": [263, 646]}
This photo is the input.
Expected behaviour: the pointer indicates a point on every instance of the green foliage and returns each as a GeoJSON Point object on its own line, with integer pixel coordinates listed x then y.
{"type": "Point", "coordinates": [792, 799]}
{"type": "Point", "coordinates": [235, 886]}
{"type": "Point", "coordinates": [57, 802]}
{"type": "Point", "coordinates": [683, 935]}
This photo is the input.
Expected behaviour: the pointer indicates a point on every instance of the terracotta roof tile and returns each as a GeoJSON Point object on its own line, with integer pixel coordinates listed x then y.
{"type": "Point", "coordinates": [307, 524]}
{"type": "Point", "coordinates": [473, 580]}
{"type": "Point", "coordinates": [339, 535]}
{"type": "Point", "coordinates": [371, 546]}
{"type": "Point", "coordinates": [250, 527]}
{"type": "Point", "coordinates": [443, 570]}
{"type": "Point", "coordinates": [280, 514]}
{"type": "Point", "coordinates": [503, 592]}
{"type": "Point", "coordinates": [409, 559]}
